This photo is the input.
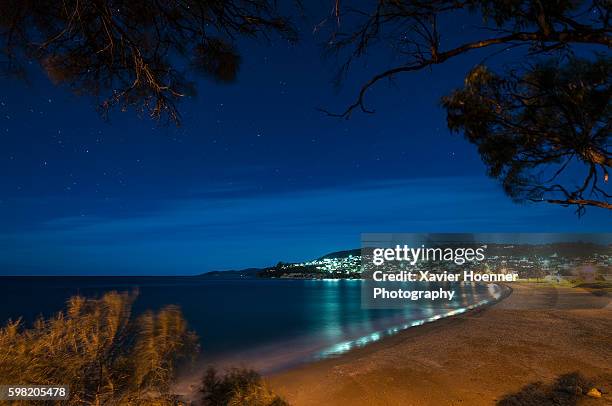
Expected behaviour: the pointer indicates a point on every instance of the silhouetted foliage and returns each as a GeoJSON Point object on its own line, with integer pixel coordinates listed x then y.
{"type": "Point", "coordinates": [133, 54]}
{"type": "Point", "coordinates": [411, 29]}
{"type": "Point", "coordinates": [567, 390]}
{"type": "Point", "coordinates": [535, 127]}
{"type": "Point", "coordinates": [97, 348]}
{"type": "Point", "coordinates": [238, 387]}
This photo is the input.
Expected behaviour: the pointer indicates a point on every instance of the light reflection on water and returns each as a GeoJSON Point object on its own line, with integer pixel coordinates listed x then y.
{"type": "Point", "coordinates": [268, 324]}
{"type": "Point", "coordinates": [468, 298]}
{"type": "Point", "coordinates": [343, 347]}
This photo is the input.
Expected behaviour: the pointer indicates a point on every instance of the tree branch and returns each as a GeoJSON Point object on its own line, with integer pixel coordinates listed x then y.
{"type": "Point", "coordinates": [600, 37]}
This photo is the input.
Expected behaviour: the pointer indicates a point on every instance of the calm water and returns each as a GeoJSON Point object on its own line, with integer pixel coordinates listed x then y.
{"type": "Point", "coordinates": [270, 324]}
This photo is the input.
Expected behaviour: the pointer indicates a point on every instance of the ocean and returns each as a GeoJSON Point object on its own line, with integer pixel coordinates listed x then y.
{"type": "Point", "coordinates": [269, 324]}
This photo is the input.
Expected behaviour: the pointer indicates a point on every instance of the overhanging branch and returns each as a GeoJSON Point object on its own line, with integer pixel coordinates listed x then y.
{"type": "Point", "coordinates": [597, 37]}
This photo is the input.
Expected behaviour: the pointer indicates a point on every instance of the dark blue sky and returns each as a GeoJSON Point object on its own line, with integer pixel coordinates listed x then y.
{"type": "Point", "coordinates": [254, 175]}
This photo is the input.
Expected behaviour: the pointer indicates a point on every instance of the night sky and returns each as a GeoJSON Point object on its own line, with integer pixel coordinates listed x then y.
{"type": "Point", "coordinates": [254, 175]}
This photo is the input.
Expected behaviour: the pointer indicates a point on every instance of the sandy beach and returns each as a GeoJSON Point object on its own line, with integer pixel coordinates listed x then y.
{"type": "Point", "coordinates": [511, 351]}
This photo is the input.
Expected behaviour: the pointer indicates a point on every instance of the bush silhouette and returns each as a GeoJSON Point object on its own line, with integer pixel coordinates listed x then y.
{"type": "Point", "coordinates": [104, 354]}
{"type": "Point", "coordinates": [238, 387]}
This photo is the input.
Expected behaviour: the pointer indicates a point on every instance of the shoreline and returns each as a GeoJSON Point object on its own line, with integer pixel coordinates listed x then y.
{"type": "Point", "coordinates": [530, 335]}
{"type": "Point", "coordinates": [505, 289]}
{"type": "Point", "coordinates": [186, 384]}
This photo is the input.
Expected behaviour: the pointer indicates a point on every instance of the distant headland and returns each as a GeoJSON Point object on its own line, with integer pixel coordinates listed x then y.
{"type": "Point", "coordinates": [531, 261]}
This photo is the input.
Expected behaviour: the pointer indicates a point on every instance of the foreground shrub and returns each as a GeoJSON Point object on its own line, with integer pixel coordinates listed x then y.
{"type": "Point", "coordinates": [567, 390]}
{"type": "Point", "coordinates": [95, 346]}
{"type": "Point", "coordinates": [238, 387]}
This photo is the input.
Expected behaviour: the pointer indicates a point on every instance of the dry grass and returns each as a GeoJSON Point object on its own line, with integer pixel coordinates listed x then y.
{"type": "Point", "coordinates": [96, 346]}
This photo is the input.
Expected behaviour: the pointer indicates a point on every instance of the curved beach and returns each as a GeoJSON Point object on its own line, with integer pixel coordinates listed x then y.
{"type": "Point", "coordinates": [537, 334]}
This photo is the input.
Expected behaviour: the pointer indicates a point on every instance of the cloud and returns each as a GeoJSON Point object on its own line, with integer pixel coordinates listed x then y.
{"type": "Point", "coordinates": [229, 229]}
